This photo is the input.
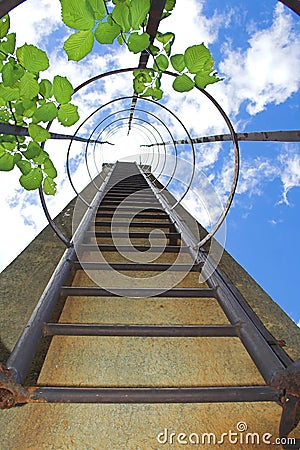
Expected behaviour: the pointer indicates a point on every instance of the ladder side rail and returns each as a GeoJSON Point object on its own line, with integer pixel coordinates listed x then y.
{"type": "Point", "coordinates": [23, 353]}
{"type": "Point", "coordinates": [254, 341]}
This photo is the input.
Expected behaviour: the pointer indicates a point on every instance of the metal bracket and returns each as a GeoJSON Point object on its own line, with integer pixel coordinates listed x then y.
{"type": "Point", "coordinates": [11, 392]}
{"type": "Point", "coordinates": [289, 381]}
{"type": "Point", "coordinates": [289, 421]}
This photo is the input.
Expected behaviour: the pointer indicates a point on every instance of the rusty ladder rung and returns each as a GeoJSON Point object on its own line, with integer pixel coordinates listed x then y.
{"type": "Point", "coordinates": [85, 329]}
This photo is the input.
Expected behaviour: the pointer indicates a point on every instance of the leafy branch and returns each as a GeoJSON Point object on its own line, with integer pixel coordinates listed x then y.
{"type": "Point", "coordinates": [125, 24]}
{"type": "Point", "coordinates": [28, 100]}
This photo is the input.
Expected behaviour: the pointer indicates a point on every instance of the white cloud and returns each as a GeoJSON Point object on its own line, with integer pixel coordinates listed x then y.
{"type": "Point", "coordinates": [200, 27]}
{"type": "Point", "coordinates": [32, 18]}
{"type": "Point", "coordinates": [275, 222]}
{"type": "Point", "coordinates": [290, 174]}
{"type": "Point", "coordinates": [254, 174]}
{"type": "Point", "coordinates": [268, 71]}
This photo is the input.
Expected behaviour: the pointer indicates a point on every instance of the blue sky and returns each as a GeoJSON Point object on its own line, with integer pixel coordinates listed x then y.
{"type": "Point", "coordinates": [256, 47]}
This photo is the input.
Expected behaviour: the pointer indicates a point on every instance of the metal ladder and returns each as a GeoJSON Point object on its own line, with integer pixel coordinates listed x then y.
{"type": "Point", "coordinates": [132, 193]}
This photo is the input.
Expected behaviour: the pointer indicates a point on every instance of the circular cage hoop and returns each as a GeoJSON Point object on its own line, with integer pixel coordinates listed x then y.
{"type": "Point", "coordinates": [223, 114]}
{"type": "Point", "coordinates": [144, 99]}
{"type": "Point", "coordinates": [144, 121]}
{"type": "Point", "coordinates": [139, 128]}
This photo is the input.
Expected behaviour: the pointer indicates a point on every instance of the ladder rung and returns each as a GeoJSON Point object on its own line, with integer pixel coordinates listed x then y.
{"type": "Point", "coordinates": [133, 224]}
{"type": "Point", "coordinates": [95, 291]}
{"type": "Point", "coordinates": [125, 208]}
{"type": "Point", "coordinates": [154, 395]}
{"type": "Point", "coordinates": [145, 267]}
{"type": "Point", "coordinates": [129, 203]}
{"type": "Point", "coordinates": [133, 248]}
{"type": "Point", "coordinates": [127, 191]}
{"type": "Point", "coordinates": [115, 196]}
{"type": "Point", "coordinates": [136, 216]}
{"type": "Point", "coordinates": [84, 329]}
{"type": "Point", "coordinates": [133, 234]}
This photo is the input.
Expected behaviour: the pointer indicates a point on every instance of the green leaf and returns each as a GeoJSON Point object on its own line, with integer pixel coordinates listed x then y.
{"type": "Point", "coordinates": [5, 115]}
{"type": "Point", "coordinates": [165, 14]}
{"type": "Point", "coordinates": [7, 138]}
{"type": "Point", "coordinates": [78, 45]}
{"type": "Point", "coordinates": [170, 4]}
{"type": "Point", "coordinates": [4, 25]}
{"type": "Point", "coordinates": [45, 113]}
{"type": "Point", "coordinates": [138, 42]}
{"type": "Point", "coordinates": [11, 73]}
{"type": "Point", "coordinates": [198, 57]}
{"type": "Point", "coordinates": [183, 83]}
{"type": "Point", "coordinates": [98, 8]}
{"type": "Point", "coordinates": [158, 82]}
{"type": "Point", "coordinates": [29, 87]}
{"type": "Point", "coordinates": [38, 133]}
{"type": "Point", "coordinates": [76, 14]}
{"type": "Point", "coordinates": [106, 33]}
{"type": "Point", "coordinates": [62, 89]}
{"type": "Point", "coordinates": [204, 79]}
{"type": "Point", "coordinates": [121, 39]}
{"type": "Point", "coordinates": [46, 88]}
{"type": "Point", "coordinates": [49, 168]}
{"type": "Point", "coordinates": [8, 44]}
{"type": "Point", "coordinates": [68, 114]}
{"type": "Point", "coordinates": [168, 48]}
{"type": "Point", "coordinates": [32, 180]}
{"type": "Point", "coordinates": [24, 166]}
{"type": "Point", "coordinates": [41, 158]}
{"type": "Point", "coordinates": [155, 93]}
{"type": "Point", "coordinates": [33, 150]}
{"type": "Point", "coordinates": [32, 58]}
{"type": "Point", "coordinates": [121, 15]}
{"type": "Point", "coordinates": [153, 49]}
{"type": "Point", "coordinates": [9, 144]}
{"type": "Point", "coordinates": [145, 74]}
{"type": "Point", "coordinates": [29, 107]}
{"type": "Point", "coordinates": [139, 85]}
{"type": "Point", "coordinates": [162, 62]}
{"type": "Point", "coordinates": [139, 10]}
{"type": "Point", "coordinates": [177, 62]}
{"type": "Point", "coordinates": [6, 162]}
{"type": "Point", "coordinates": [8, 93]}
{"type": "Point", "coordinates": [165, 37]}
{"type": "Point", "coordinates": [20, 106]}
{"type": "Point", "coordinates": [49, 186]}
{"type": "Point", "coordinates": [17, 158]}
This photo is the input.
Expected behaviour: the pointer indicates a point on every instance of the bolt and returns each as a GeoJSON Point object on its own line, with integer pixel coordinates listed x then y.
{"type": "Point", "coordinates": [7, 399]}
